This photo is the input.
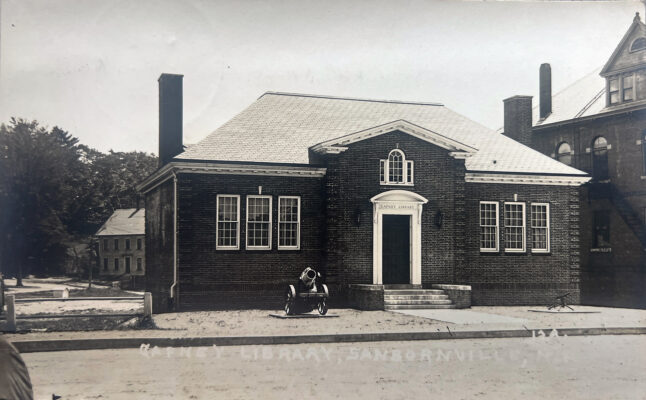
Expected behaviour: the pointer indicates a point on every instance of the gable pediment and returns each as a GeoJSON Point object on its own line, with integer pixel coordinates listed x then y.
{"type": "Point", "coordinates": [339, 145]}
{"type": "Point", "coordinates": [629, 54]}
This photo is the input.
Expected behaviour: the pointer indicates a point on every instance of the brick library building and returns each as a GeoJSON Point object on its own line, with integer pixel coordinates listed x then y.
{"type": "Point", "coordinates": [380, 197]}
{"type": "Point", "coordinates": [598, 125]}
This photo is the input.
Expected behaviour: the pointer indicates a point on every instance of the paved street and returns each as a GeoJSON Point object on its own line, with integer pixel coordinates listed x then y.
{"type": "Point", "coordinates": [600, 367]}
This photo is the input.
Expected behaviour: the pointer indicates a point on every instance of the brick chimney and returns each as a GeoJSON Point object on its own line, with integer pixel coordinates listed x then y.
{"type": "Point", "coordinates": [545, 91]}
{"type": "Point", "coordinates": [518, 119]}
{"type": "Point", "coordinates": [170, 117]}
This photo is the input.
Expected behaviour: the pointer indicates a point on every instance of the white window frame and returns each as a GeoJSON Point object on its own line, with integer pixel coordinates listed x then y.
{"type": "Point", "coordinates": [546, 227]}
{"type": "Point", "coordinates": [524, 226]}
{"type": "Point", "coordinates": [298, 229]}
{"type": "Point", "coordinates": [217, 223]}
{"type": "Point", "coordinates": [497, 226]}
{"type": "Point", "coordinates": [384, 165]}
{"type": "Point", "coordinates": [247, 246]}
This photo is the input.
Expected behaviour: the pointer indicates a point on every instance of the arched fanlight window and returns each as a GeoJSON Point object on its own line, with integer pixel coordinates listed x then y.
{"type": "Point", "coordinates": [396, 170]}
{"type": "Point", "coordinates": [564, 153]}
{"type": "Point", "coordinates": [600, 158]}
{"type": "Point", "coordinates": [638, 44]}
{"type": "Point", "coordinates": [396, 166]}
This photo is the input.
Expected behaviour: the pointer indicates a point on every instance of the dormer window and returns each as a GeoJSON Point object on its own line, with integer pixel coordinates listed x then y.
{"type": "Point", "coordinates": [638, 44]}
{"type": "Point", "coordinates": [396, 170]}
{"type": "Point", "coordinates": [628, 87]}
{"type": "Point", "coordinates": [613, 90]}
{"type": "Point", "coordinates": [621, 88]}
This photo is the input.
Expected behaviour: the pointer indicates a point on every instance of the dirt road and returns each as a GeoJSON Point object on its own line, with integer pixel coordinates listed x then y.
{"type": "Point", "coordinates": [601, 367]}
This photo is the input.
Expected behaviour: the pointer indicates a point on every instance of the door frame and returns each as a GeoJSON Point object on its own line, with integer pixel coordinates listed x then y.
{"type": "Point", "coordinates": [397, 202]}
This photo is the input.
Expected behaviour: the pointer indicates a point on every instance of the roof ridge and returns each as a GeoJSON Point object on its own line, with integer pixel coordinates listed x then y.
{"type": "Point", "coordinates": [418, 103]}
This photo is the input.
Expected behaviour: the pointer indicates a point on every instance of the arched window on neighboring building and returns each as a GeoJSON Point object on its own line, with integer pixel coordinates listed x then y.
{"type": "Point", "coordinates": [396, 170]}
{"type": "Point", "coordinates": [564, 153]}
{"type": "Point", "coordinates": [638, 44]}
{"type": "Point", "coordinates": [600, 158]}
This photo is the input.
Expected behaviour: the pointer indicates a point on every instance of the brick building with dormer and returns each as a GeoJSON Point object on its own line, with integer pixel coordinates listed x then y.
{"type": "Point", "coordinates": [598, 125]}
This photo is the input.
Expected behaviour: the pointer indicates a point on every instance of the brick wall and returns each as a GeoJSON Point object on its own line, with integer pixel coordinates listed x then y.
{"type": "Point", "coordinates": [353, 178]}
{"type": "Point", "coordinates": [211, 278]}
{"type": "Point", "coordinates": [523, 278]}
{"type": "Point", "coordinates": [618, 277]}
{"type": "Point", "coordinates": [159, 245]}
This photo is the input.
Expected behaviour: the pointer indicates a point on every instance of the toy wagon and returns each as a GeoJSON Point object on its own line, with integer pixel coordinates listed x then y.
{"type": "Point", "coordinates": [307, 295]}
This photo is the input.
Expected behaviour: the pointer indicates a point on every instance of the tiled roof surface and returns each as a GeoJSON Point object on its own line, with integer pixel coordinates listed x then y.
{"type": "Point", "coordinates": [124, 221]}
{"type": "Point", "coordinates": [582, 98]}
{"type": "Point", "coordinates": [280, 127]}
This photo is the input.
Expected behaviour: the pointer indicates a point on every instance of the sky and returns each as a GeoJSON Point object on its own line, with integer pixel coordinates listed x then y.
{"type": "Point", "coordinates": [91, 66]}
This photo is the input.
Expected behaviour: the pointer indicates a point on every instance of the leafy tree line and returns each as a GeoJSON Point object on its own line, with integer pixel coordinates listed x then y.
{"type": "Point", "coordinates": [56, 192]}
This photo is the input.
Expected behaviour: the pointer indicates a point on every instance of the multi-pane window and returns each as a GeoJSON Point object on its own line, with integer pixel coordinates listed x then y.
{"type": "Point", "coordinates": [564, 153]}
{"type": "Point", "coordinates": [127, 244]}
{"type": "Point", "coordinates": [488, 226]}
{"type": "Point", "coordinates": [289, 213]}
{"type": "Point", "coordinates": [396, 170]}
{"type": "Point", "coordinates": [613, 90]}
{"type": "Point", "coordinates": [138, 244]}
{"type": "Point", "coordinates": [628, 87]}
{"type": "Point", "coordinates": [105, 244]}
{"type": "Point", "coordinates": [601, 229]}
{"type": "Point", "coordinates": [640, 85]}
{"type": "Point", "coordinates": [127, 265]}
{"type": "Point", "coordinates": [116, 244]}
{"type": "Point", "coordinates": [259, 222]}
{"type": "Point", "coordinates": [540, 224]}
{"type": "Point", "coordinates": [105, 264]}
{"type": "Point", "coordinates": [139, 264]}
{"type": "Point", "coordinates": [228, 222]}
{"type": "Point", "coordinates": [396, 166]}
{"type": "Point", "coordinates": [116, 264]}
{"type": "Point", "coordinates": [514, 227]}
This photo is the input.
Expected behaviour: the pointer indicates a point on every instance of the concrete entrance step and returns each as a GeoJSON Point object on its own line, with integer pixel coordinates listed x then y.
{"type": "Point", "coordinates": [417, 302]}
{"type": "Point", "coordinates": [406, 292]}
{"type": "Point", "coordinates": [401, 286]}
{"type": "Point", "coordinates": [415, 297]}
{"type": "Point", "coordinates": [418, 306]}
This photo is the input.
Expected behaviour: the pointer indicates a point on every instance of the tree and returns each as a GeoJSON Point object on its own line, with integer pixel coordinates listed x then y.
{"type": "Point", "coordinates": [34, 187]}
{"type": "Point", "coordinates": [56, 192]}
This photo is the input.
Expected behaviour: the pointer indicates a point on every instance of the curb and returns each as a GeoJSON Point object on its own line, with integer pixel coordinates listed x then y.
{"type": "Point", "coordinates": [33, 346]}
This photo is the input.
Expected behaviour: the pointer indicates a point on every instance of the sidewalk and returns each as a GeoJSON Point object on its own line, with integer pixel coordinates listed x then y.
{"type": "Point", "coordinates": [371, 325]}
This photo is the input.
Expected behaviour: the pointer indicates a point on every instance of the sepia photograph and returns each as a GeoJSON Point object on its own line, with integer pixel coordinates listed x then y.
{"type": "Point", "coordinates": [415, 199]}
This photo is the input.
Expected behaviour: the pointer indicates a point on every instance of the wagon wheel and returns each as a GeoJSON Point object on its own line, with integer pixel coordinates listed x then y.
{"type": "Point", "coordinates": [290, 300]}
{"type": "Point", "coordinates": [322, 307]}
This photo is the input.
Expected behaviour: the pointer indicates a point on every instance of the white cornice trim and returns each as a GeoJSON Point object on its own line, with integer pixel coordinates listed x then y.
{"type": "Point", "coordinates": [519, 179]}
{"type": "Point", "coordinates": [329, 149]}
{"type": "Point", "coordinates": [227, 169]}
{"type": "Point", "coordinates": [460, 155]}
{"type": "Point", "coordinates": [338, 145]}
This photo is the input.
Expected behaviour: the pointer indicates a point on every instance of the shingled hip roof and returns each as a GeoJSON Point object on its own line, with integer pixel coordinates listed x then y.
{"type": "Point", "coordinates": [124, 221]}
{"type": "Point", "coordinates": [281, 128]}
